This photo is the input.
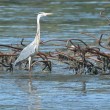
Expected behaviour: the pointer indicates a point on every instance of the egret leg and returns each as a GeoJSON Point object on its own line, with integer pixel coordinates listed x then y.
{"type": "Point", "coordinates": [29, 59]}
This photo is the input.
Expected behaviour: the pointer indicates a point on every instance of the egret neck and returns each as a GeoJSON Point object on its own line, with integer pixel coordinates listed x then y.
{"type": "Point", "coordinates": [37, 37]}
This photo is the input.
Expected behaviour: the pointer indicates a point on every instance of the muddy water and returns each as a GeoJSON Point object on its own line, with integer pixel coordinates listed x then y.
{"type": "Point", "coordinates": [59, 89]}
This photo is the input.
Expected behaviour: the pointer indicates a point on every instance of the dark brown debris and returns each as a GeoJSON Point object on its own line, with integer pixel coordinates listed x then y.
{"type": "Point", "coordinates": [81, 59]}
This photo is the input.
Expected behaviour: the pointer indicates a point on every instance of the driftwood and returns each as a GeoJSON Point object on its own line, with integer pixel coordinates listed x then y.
{"type": "Point", "coordinates": [80, 57]}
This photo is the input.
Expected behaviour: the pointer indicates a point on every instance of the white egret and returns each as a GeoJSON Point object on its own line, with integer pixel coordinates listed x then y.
{"type": "Point", "coordinates": [32, 48]}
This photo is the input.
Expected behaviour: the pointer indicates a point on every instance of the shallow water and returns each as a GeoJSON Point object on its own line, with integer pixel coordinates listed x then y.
{"type": "Point", "coordinates": [48, 91]}
{"type": "Point", "coordinates": [60, 89]}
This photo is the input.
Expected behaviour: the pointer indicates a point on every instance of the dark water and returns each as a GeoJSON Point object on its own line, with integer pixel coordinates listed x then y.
{"type": "Point", "coordinates": [59, 89]}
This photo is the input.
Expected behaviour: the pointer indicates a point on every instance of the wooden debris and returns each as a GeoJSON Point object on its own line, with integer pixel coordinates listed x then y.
{"type": "Point", "coordinates": [80, 59]}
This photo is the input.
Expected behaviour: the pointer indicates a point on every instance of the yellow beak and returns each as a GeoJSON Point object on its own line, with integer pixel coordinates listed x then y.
{"type": "Point", "coordinates": [48, 14]}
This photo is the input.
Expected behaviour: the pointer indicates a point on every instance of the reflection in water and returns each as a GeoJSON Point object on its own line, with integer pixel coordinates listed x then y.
{"type": "Point", "coordinates": [84, 87]}
{"type": "Point", "coordinates": [30, 83]}
{"type": "Point", "coordinates": [34, 92]}
{"type": "Point", "coordinates": [32, 100]}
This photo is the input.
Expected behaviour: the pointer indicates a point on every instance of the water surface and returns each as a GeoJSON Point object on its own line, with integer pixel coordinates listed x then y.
{"type": "Point", "coordinates": [60, 89]}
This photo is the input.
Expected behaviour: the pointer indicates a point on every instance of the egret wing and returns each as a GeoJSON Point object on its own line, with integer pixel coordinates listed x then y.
{"type": "Point", "coordinates": [26, 52]}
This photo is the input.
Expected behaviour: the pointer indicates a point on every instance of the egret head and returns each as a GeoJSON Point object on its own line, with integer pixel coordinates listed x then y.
{"type": "Point", "coordinates": [40, 14]}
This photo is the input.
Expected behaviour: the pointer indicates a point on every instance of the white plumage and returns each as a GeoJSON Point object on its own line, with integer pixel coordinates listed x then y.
{"type": "Point", "coordinates": [32, 48]}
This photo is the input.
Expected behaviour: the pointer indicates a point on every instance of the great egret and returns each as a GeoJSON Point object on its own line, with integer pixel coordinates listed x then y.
{"type": "Point", "coordinates": [32, 48]}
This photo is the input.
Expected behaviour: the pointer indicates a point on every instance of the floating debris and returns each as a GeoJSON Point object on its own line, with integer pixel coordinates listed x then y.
{"type": "Point", "coordinates": [81, 59]}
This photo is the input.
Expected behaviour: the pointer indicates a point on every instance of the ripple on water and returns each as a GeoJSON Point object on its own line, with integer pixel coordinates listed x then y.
{"type": "Point", "coordinates": [59, 89]}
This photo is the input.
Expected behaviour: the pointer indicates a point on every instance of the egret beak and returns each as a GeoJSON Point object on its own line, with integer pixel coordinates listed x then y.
{"type": "Point", "coordinates": [48, 14]}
